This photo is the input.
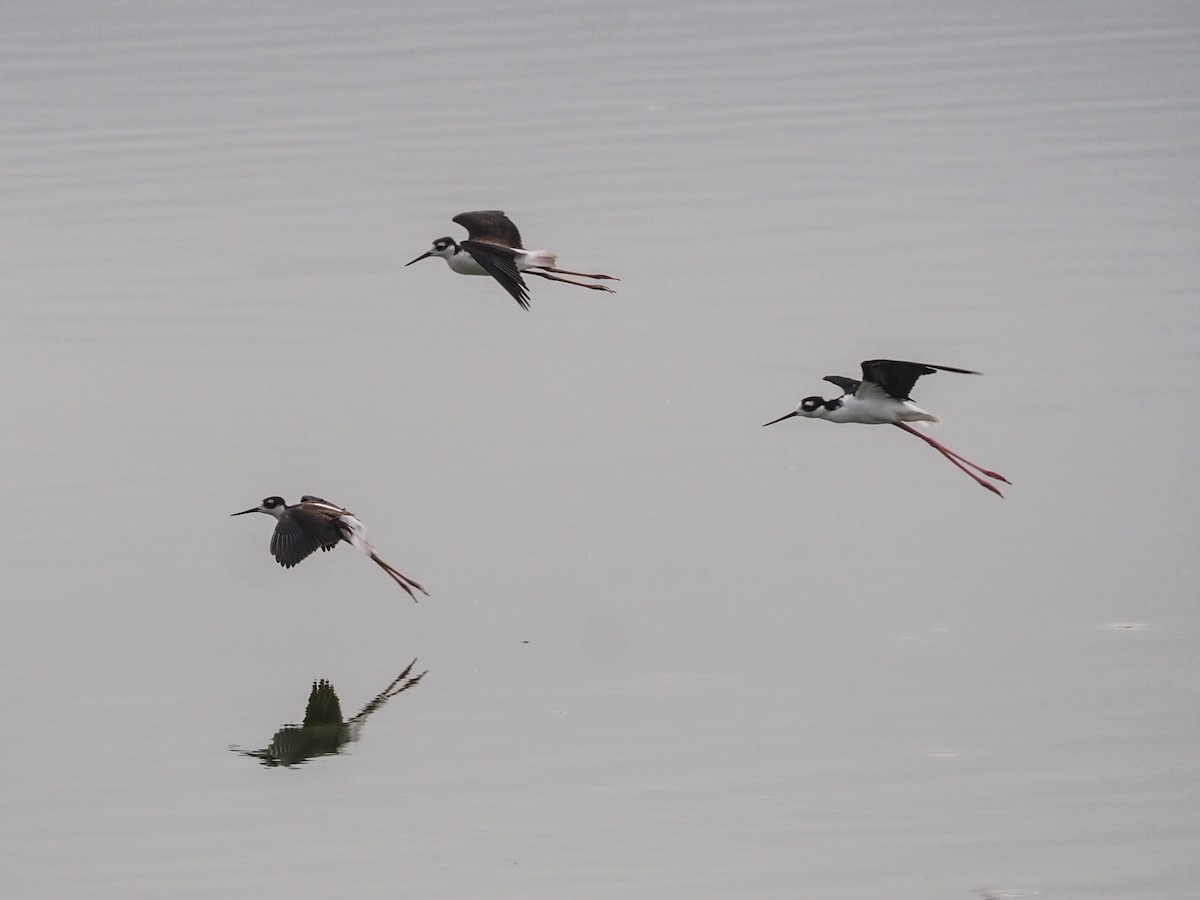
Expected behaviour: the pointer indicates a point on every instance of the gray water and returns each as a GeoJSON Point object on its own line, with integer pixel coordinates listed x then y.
{"type": "Point", "coordinates": [670, 653]}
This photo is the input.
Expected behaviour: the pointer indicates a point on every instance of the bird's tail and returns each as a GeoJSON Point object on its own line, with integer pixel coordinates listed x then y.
{"type": "Point", "coordinates": [541, 258]}
{"type": "Point", "coordinates": [920, 416]}
{"type": "Point", "coordinates": [399, 577]}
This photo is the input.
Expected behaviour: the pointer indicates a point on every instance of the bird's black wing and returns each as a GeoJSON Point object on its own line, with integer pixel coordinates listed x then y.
{"type": "Point", "coordinates": [896, 377]}
{"type": "Point", "coordinates": [848, 385]}
{"type": "Point", "coordinates": [298, 535]}
{"type": "Point", "coordinates": [490, 225]}
{"type": "Point", "coordinates": [499, 262]}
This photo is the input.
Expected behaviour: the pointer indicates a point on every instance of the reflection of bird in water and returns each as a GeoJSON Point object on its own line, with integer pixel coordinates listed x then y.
{"type": "Point", "coordinates": [323, 732]}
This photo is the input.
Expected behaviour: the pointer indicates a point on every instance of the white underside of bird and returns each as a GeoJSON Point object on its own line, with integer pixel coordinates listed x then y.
{"type": "Point", "coordinates": [464, 263]}
{"type": "Point", "coordinates": [871, 411]}
{"type": "Point", "coordinates": [871, 405]}
{"type": "Point", "coordinates": [355, 533]}
{"type": "Point", "coordinates": [881, 398]}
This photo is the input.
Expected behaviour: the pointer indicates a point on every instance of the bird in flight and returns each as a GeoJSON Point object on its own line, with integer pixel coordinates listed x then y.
{"type": "Point", "coordinates": [493, 247]}
{"type": "Point", "coordinates": [315, 524]}
{"type": "Point", "coordinates": [881, 397]}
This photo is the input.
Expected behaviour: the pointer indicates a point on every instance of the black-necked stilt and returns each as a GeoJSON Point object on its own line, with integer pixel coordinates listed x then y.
{"type": "Point", "coordinates": [323, 732]}
{"type": "Point", "coordinates": [314, 524]}
{"type": "Point", "coordinates": [881, 398]}
{"type": "Point", "coordinates": [493, 247]}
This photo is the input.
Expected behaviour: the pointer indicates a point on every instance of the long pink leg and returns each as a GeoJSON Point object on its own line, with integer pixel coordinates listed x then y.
{"type": "Point", "coordinates": [580, 274]}
{"type": "Point", "coordinates": [400, 578]}
{"type": "Point", "coordinates": [958, 460]}
{"type": "Point", "coordinates": [988, 472]}
{"type": "Point", "coordinates": [594, 287]}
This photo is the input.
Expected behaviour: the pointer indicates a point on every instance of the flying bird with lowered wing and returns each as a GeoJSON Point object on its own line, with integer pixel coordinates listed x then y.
{"type": "Point", "coordinates": [493, 247]}
{"type": "Point", "coordinates": [315, 524]}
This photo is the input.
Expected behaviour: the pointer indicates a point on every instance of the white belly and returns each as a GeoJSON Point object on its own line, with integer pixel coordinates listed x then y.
{"type": "Point", "coordinates": [874, 411]}
{"type": "Point", "coordinates": [464, 264]}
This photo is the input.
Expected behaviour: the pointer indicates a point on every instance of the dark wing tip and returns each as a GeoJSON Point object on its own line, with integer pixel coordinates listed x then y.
{"type": "Point", "coordinates": [464, 217]}
{"type": "Point", "coordinates": [919, 367]}
{"type": "Point", "coordinates": [498, 262]}
{"type": "Point", "coordinates": [896, 376]}
{"type": "Point", "coordinates": [848, 385]}
{"type": "Point", "coordinates": [292, 542]}
{"type": "Point", "coordinates": [950, 369]}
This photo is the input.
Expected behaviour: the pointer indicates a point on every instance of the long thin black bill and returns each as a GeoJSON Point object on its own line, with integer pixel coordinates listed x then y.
{"type": "Point", "coordinates": [780, 419]}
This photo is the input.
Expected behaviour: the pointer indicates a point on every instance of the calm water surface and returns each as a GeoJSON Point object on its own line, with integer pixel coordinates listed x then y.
{"type": "Point", "coordinates": [669, 653]}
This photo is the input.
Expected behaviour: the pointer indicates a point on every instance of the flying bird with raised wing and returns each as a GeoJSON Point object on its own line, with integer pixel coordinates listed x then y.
{"type": "Point", "coordinates": [881, 397]}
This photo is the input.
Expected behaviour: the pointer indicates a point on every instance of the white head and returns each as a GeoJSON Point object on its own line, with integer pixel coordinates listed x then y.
{"type": "Point", "coordinates": [444, 247]}
{"type": "Point", "coordinates": [273, 506]}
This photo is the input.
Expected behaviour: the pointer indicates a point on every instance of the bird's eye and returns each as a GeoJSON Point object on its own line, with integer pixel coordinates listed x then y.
{"type": "Point", "coordinates": [811, 403]}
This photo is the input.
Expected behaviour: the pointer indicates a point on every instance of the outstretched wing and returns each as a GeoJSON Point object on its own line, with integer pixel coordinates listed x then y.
{"type": "Point", "coordinates": [297, 536]}
{"type": "Point", "coordinates": [499, 262]}
{"type": "Point", "coordinates": [848, 385]}
{"type": "Point", "coordinates": [490, 225]}
{"type": "Point", "coordinates": [896, 377]}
